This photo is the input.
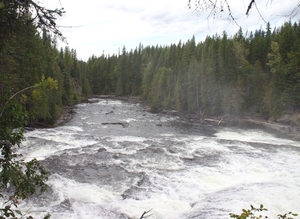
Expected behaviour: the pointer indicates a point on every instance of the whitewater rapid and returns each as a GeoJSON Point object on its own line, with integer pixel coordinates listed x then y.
{"type": "Point", "coordinates": [159, 163]}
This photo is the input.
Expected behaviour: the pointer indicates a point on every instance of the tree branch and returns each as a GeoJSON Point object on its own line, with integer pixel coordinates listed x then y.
{"type": "Point", "coordinates": [211, 6]}
{"type": "Point", "coordinates": [294, 10]}
{"type": "Point", "coordinates": [249, 7]}
{"type": "Point", "coordinates": [27, 88]}
{"type": "Point", "coordinates": [230, 14]}
{"type": "Point", "coordinates": [260, 13]}
{"type": "Point", "coordinates": [144, 214]}
{"type": "Point", "coordinates": [46, 18]}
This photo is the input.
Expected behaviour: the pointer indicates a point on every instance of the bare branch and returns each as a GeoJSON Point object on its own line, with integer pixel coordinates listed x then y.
{"type": "Point", "coordinates": [144, 214]}
{"type": "Point", "coordinates": [213, 10]}
{"type": "Point", "coordinates": [259, 13]}
{"type": "Point", "coordinates": [17, 15]}
{"type": "Point", "coordinates": [213, 6]}
{"type": "Point", "coordinates": [293, 13]}
{"type": "Point", "coordinates": [249, 7]}
{"type": "Point", "coordinates": [230, 14]}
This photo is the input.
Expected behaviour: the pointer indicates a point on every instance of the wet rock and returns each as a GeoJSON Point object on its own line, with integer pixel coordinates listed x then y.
{"type": "Point", "coordinates": [102, 150]}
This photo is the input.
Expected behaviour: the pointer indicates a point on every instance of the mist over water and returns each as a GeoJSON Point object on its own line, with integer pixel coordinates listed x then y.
{"type": "Point", "coordinates": [160, 163]}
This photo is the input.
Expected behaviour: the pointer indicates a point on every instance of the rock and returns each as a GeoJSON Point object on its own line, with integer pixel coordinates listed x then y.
{"type": "Point", "coordinates": [285, 119]}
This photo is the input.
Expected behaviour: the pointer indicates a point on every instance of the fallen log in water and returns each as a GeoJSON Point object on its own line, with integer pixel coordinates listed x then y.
{"type": "Point", "coordinates": [215, 121]}
{"type": "Point", "coordinates": [124, 124]}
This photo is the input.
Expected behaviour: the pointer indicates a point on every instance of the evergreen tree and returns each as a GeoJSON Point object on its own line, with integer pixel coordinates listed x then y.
{"type": "Point", "coordinates": [194, 86]}
{"type": "Point", "coordinates": [276, 86]}
{"type": "Point", "coordinates": [122, 73]}
{"type": "Point", "coordinates": [148, 73]}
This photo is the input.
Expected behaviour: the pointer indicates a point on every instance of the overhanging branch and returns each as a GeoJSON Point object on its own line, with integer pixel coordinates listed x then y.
{"type": "Point", "coordinates": [27, 88]}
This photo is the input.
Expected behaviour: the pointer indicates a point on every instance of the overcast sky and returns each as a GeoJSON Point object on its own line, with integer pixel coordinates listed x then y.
{"type": "Point", "coordinates": [105, 26]}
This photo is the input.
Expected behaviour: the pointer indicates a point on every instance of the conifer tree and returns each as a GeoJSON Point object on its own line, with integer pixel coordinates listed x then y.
{"type": "Point", "coordinates": [275, 88]}
{"type": "Point", "coordinates": [122, 74]}
{"type": "Point", "coordinates": [194, 86]}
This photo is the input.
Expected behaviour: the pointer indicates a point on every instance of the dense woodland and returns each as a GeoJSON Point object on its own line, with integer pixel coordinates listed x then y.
{"type": "Point", "coordinates": [251, 73]}
{"type": "Point", "coordinates": [28, 58]}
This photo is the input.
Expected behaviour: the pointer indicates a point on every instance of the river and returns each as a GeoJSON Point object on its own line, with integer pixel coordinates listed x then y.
{"type": "Point", "coordinates": [102, 169]}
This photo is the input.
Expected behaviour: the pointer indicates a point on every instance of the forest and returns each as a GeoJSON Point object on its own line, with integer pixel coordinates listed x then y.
{"type": "Point", "coordinates": [252, 73]}
{"type": "Point", "coordinates": [248, 74]}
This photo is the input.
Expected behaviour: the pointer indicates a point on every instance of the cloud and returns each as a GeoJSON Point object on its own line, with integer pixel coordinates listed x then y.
{"type": "Point", "coordinates": [109, 25]}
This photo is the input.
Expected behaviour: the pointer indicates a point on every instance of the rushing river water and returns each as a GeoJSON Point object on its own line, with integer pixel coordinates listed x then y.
{"type": "Point", "coordinates": [159, 163]}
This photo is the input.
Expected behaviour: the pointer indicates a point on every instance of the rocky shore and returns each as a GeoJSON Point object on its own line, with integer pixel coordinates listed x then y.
{"type": "Point", "coordinates": [66, 116]}
{"type": "Point", "coordinates": [288, 127]}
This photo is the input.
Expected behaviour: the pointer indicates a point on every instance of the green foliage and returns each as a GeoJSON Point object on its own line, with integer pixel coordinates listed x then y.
{"type": "Point", "coordinates": [40, 97]}
{"type": "Point", "coordinates": [252, 214]}
{"type": "Point", "coordinates": [18, 179]}
{"type": "Point", "coordinates": [15, 16]}
{"type": "Point", "coordinates": [287, 215]}
{"type": "Point", "coordinates": [249, 213]}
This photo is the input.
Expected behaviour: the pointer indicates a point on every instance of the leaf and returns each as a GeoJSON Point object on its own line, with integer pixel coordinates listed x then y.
{"type": "Point", "coordinates": [18, 212]}
{"type": "Point", "coordinates": [47, 216]}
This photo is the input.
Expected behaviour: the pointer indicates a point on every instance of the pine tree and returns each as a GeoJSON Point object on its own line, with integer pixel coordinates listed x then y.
{"type": "Point", "coordinates": [194, 86]}
{"type": "Point", "coordinates": [122, 74]}
{"type": "Point", "coordinates": [276, 86]}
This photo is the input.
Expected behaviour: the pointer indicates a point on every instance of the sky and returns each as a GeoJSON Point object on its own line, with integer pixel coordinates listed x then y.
{"type": "Point", "coordinates": [96, 27]}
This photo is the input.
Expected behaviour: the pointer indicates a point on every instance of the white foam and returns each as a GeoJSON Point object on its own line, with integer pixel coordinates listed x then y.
{"type": "Point", "coordinates": [219, 174]}
{"type": "Point", "coordinates": [82, 192]}
{"type": "Point", "coordinates": [130, 120]}
{"type": "Point", "coordinates": [109, 102]}
{"type": "Point", "coordinates": [162, 164]}
{"type": "Point", "coordinates": [52, 141]}
{"type": "Point", "coordinates": [166, 135]}
{"type": "Point", "coordinates": [160, 206]}
{"type": "Point", "coordinates": [256, 136]}
{"type": "Point", "coordinates": [71, 128]}
{"type": "Point", "coordinates": [126, 138]}
{"type": "Point", "coordinates": [47, 150]}
{"type": "Point", "coordinates": [129, 149]}
{"type": "Point", "coordinates": [82, 105]}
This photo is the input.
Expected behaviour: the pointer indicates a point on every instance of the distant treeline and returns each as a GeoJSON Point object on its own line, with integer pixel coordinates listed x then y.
{"type": "Point", "coordinates": [257, 73]}
{"type": "Point", "coordinates": [253, 73]}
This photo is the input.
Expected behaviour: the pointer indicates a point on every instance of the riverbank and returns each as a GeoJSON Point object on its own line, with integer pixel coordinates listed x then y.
{"type": "Point", "coordinates": [279, 127]}
{"type": "Point", "coordinates": [286, 126]}
{"type": "Point", "coordinates": [68, 113]}
{"type": "Point", "coordinates": [291, 131]}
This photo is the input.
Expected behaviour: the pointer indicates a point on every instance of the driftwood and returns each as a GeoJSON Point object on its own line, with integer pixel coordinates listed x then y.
{"type": "Point", "coordinates": [109, 112]}
{"type": "Point", "coordinates": [215, 121]}
{"type": "Point", "coordinates": [124, 124]}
